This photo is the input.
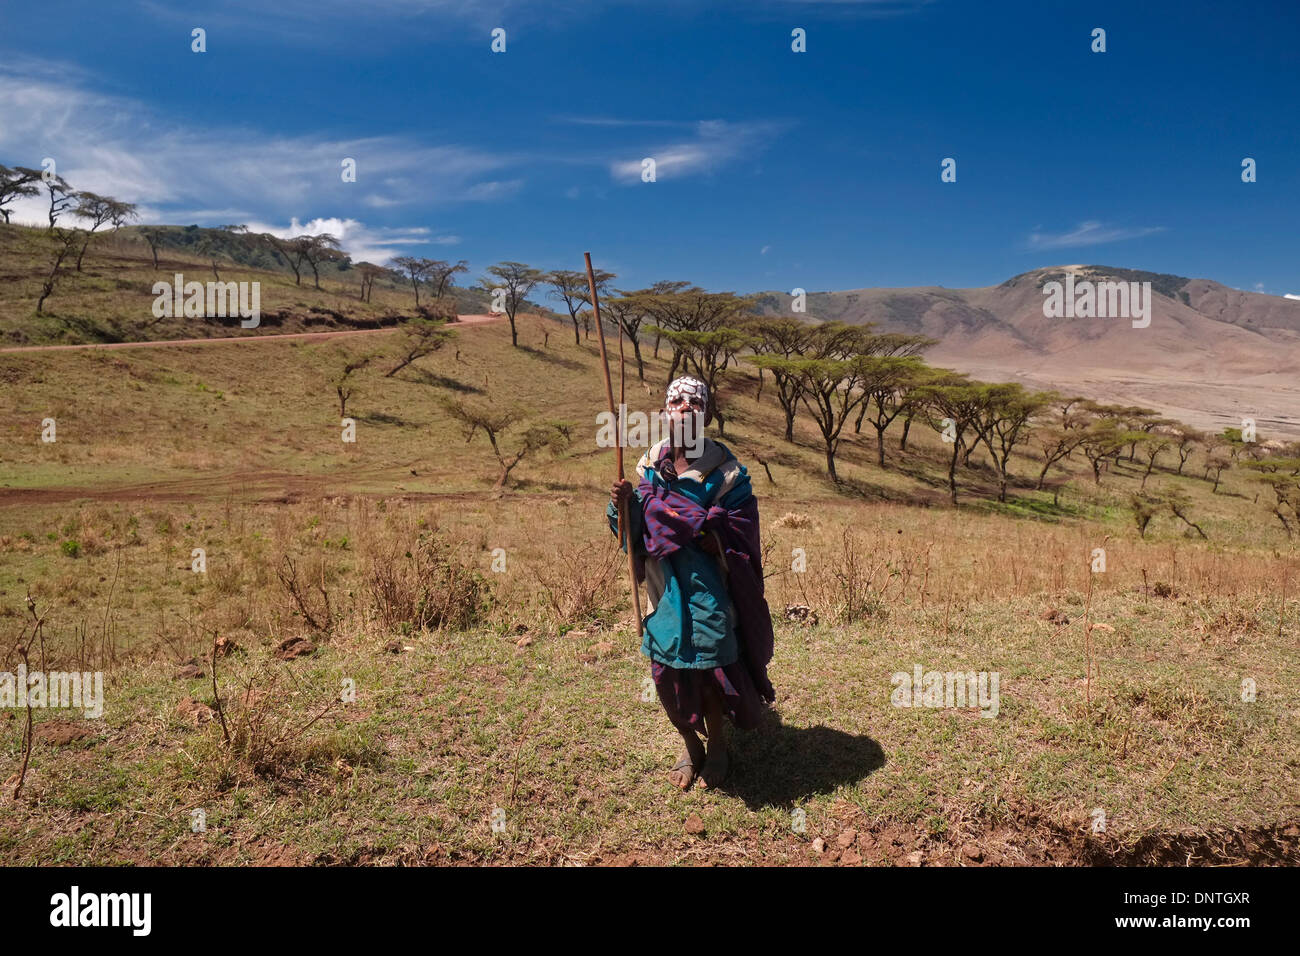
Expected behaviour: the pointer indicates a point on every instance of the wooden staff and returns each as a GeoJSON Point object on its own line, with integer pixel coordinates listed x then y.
{"type": "Point", "coordinates": [623, 524]}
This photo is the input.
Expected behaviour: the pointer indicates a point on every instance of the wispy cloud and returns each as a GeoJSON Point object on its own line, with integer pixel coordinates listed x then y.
{"type": "Point", "coordinates": [716, 143]}
{"type": "Point", "coordinates": [119, 147]}
{"type": "Point", "coordinates": [1090, 233]}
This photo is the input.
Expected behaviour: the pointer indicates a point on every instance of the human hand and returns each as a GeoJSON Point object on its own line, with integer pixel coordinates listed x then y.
{"type": "Point", "coordinates": [620, 493]}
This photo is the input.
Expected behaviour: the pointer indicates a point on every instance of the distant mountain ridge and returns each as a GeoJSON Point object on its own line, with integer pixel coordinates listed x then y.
{"type": "Point", "coordinates": [1211, 355]}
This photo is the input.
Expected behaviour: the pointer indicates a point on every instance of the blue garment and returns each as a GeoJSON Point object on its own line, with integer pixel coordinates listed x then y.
{"type": "Point", "coordinates": [692, 625]}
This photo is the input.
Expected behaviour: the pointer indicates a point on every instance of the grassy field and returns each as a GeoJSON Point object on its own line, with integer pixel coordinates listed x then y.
{"type": "Point", "coordinates": [518, 699]}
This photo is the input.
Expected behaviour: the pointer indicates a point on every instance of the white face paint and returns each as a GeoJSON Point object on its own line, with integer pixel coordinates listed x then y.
{"type": "Point", "coordinates": [686, 427]}
{"type": "Point", "coordinates": [685, 407]}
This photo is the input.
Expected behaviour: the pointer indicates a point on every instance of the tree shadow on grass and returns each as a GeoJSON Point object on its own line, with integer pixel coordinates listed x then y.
{"type": "Point", "coordinates": [779, 766]}
{"type": "Point", "coordinates": [383, 418]}
{"type": "Point", "coordinates": [423, 377]}
{"type": "Point", "coordinates": [547, 356]}
{"type": "Point", "coordinates": [860, 488]}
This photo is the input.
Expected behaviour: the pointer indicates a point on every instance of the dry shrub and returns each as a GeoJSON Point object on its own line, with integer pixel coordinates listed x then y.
{"type": "Point", "coordinates": [853, 588]}
{"type": "Point", "coordinates": [227, 577]}
{"type": "Point", "coordinates": [307, 588]}
{"type": "Point", "coordinates": [793, 519]}
{"type": "Point", "coordinates": [579, 586]}
{"type": "Point", "coordinates": [272, 726]}
{"type": "Point", "coordinates": [430, 585]}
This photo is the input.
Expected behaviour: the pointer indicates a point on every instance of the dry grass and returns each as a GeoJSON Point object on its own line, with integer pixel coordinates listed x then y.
{"type": "Point", "coordinates": [518, 686]}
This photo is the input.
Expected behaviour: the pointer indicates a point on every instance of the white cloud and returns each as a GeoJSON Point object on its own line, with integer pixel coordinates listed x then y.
{"type": "Point", "coordinates": [1290, 295]}
{"type": "Point", "coordinates": [361, 242]}
{"type": "Point", "coordinates": [494, 190]}
{"type": "Point", "coordinates": [118, 147]}
{"type": "Point", "coordinates": [1090, 233]}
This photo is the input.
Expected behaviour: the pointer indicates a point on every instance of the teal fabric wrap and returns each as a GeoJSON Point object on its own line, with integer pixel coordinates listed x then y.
{"type": "Point", "coordinates": [692, 625]}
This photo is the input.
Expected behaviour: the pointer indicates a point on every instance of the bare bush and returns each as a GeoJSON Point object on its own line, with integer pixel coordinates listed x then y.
{"type": "Point", "coordinates": [307, 591]}
{"type": "Point", "coordinates": [430, 585]}
{"type": "Point", "coordinates": [580, 586]}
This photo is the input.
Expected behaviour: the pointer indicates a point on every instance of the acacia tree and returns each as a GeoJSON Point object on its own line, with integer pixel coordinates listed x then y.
{"type": "Point", "coordinates": [1218, 461]}
{"type": "Point", "coordinates": [571, 288]}
{"type": "Point", "coordinates": [98, 211]}
{"type": "Point", "coordinates": [290, 250]}
{"type": "Point", "coordinates": [344, 385]}
{"type": "Point", "coordinates": [1179, 504]}
{"type": "Point", "coordinates": [679, 307]}
{"type": "Point", "coordinates": [153, 235]}
{"type": "Point", "coordinates": [1103, 439]}
{"type": "Point", "coordinates": [887, 345]}
{"type": "Point", "coordinates": [1144, 507]}
{"type": "Point", "coordinates": [782, 337]}
{"type": "Point", "coordinates": [914, 401]}
{"type": "Point", "coordinates": [215, 240]}
{"type": "Point", "coordinates": [318, 249]}
{"type": "Point", "coordinates": [1055, 443]}
{"type": "Point", "coordinates": [61, 196]}
{"type": "Point", "coordinates": [64, 241]}
{"type": "Point", "coordinates": [1003, 414]}
{"type": "Point", "coordinates": [953, 404]}
{"type": "Point", "coordinates": [369, 272]}
{"type": "Point", "coordinates": [516, 280]}
{"type": "Point", "coordinates": [627, 310]}
{"type": "Point", "coordinates": [1186, 441]}
{"type": "Point", "coordinates": [1152, 446]}
{"type": "Point", "coordinates": [17, 183]}
{"type": "Point", "coordinates": [554, 436]}
{"type": "Point", "coordinates": [443, 275]}
{"type": "Point", "coordinates": [421, 337]}
{"type": "Point", "coordinates": [829, 386]}
{"type": "Point", "coordinates": [1138, 421]}
{"type": "Point", "coordinates": [417, 270]}
{"type": "Point", "coordinates": [1281, 473]}
{"type": "Point", "coordinates": [888, 381]}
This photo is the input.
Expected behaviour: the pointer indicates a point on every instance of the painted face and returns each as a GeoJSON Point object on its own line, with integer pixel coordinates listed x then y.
{"type": "Point", "coordinates": [686, 406]}
{"type": "Point", "coordinates": [679, 406]}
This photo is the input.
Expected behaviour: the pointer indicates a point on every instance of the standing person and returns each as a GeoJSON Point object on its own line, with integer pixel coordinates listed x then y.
{"type": "Point", "coordinates": [693, 524]}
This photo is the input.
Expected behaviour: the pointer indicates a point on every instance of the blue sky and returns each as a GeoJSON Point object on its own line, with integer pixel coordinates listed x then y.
{"type": "Point", "coordinates": [775, 169]}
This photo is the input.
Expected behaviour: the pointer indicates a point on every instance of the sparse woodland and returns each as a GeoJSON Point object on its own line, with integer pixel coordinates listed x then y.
{"type": "Point", "coordinates": [452, 565]}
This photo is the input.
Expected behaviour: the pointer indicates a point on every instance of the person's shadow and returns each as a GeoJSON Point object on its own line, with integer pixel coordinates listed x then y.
{"type": "Point", "coordinates": [779, 766]}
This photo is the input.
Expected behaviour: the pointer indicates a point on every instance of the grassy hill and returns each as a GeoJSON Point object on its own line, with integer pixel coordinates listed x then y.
{"type": "Point", "coordinates": [522, 691]}
{"type": "Point", "coordinates": [111, 299]}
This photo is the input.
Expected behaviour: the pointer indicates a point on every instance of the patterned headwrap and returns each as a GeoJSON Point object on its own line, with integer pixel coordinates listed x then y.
{"type": "Point", "coordinates": [691, 389]}
{"type": "Point", "coordinates": [697, 394]}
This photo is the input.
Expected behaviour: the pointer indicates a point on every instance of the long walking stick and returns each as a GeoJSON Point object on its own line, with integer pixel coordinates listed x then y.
{"type": "Point", "coordinates": [623, 524]}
